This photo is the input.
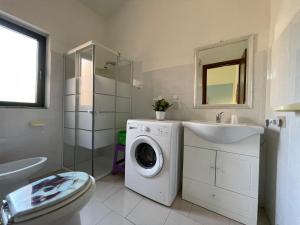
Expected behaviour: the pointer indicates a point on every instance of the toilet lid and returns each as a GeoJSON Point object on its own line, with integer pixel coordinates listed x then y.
{"type": "Point", "coordinates": [46, 192]}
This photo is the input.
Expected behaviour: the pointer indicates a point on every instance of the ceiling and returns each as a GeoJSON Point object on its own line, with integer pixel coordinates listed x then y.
{"type": "Point", "coordinates": [103, 7]}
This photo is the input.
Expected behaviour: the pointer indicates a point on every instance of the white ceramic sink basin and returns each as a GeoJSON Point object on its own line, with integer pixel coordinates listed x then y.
{"type": "Point", "coordinates": [222, 133]}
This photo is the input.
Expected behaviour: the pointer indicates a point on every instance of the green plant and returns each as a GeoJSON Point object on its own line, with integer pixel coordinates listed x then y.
{"type": "Point", "coordinates": [161, 105]}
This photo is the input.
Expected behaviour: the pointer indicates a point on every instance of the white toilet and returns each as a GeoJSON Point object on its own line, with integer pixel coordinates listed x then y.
{"type": "Point", "coordinates": [52, 200]}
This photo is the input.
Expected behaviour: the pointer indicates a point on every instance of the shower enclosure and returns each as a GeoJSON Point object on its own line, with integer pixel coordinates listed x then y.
{"type": "Point", "coordinates": [97, 104]}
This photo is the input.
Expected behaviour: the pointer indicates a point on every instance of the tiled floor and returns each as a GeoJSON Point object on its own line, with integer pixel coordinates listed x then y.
{"type": "Point", "coordinates": [113, 204]}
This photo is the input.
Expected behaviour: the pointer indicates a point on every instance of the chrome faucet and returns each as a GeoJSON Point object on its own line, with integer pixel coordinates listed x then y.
{"type": "Point", "coordinates": [219, 117]}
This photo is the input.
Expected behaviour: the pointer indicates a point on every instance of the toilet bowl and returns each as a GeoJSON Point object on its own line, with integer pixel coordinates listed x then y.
{"type": "Point", "coordinates": [52, 200]}
{"type": "Point", "coordinates": [15, 174]}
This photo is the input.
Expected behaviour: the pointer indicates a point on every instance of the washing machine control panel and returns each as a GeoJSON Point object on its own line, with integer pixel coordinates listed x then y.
{"type": "Point", "coordinates": [146, 129]}
{"type": "Point", "coordinates": [157, 130]}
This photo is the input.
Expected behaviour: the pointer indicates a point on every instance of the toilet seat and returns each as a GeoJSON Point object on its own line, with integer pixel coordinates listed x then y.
{"type": "Point", "coordinates": [45, 196]}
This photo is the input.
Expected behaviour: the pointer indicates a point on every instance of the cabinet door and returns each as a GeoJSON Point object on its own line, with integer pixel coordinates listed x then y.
{"type": "Point", "coordinates": [199, 164]}
{"type": "Point", "coordinates": [238, 173]}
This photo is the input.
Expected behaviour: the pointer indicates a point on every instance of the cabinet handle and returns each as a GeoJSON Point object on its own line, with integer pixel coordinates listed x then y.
{"type": "Point", "coordinates": [213, 195]}
{"type": "Point", "coordinates": [212, 167]}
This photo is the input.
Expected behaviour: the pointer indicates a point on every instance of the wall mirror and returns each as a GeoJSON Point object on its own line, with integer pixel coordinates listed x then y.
{"type": "Point", "coordinates": [224, 74]}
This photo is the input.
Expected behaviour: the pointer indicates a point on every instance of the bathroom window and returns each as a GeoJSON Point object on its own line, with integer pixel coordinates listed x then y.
{"type": "Point", "coordinates": [22, 66]}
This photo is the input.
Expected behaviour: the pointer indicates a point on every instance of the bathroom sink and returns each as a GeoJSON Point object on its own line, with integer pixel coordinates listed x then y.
{"type": "Point", "coordinates": [222, 133]}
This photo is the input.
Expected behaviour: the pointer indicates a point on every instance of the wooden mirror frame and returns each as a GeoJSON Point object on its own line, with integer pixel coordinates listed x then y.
{"type": "Point", "coordinates": [199, 77]}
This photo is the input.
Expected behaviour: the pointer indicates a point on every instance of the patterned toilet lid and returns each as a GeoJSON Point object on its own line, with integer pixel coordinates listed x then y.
{"type": "Point", "coordinates": [46, 192]}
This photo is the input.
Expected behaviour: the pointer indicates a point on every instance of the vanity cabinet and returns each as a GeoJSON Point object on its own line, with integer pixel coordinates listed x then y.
{"type": "Point", "coordinates": [222, 177]}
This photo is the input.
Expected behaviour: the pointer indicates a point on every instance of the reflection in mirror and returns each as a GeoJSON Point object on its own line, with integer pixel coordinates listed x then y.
{"type": "Point", "coordinates": [223, 74]}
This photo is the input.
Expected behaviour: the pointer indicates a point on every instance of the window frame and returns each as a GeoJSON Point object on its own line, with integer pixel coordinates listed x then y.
{"type": "Point", "coordinates": [41, 79]}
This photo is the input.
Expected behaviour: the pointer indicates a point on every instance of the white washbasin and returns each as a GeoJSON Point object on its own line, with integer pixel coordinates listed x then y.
{"type": "Point", "coordinates": [222, 133]}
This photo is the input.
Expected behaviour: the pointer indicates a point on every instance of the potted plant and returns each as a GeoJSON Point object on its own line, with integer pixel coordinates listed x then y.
{"type": "Point", "coordinates": [160, 107]}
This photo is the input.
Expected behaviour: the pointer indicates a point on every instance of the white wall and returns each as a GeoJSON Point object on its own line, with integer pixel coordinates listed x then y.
{"type": "Point", "coordinates": [283, 180]}
{"type": "Point", "coordinates": [162, 34]}
{"type": "Point", "coordinates": [68, 23]}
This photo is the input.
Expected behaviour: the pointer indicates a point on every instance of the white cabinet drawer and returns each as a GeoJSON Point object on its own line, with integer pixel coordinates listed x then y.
{"type": "Point", "coordinates": [238, 173]}
{"type": "Point", "coordinates": [227, 203]}
{"type": "Point", "coordinates": [199, 164]}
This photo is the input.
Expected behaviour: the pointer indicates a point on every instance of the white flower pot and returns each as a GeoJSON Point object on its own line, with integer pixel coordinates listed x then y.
{"type": "Point", "coordinates": [160, 115]}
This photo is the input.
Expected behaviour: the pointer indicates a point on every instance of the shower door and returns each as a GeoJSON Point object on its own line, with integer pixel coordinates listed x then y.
{"type": "Point", "coordinates": [85, 111]}
{"type": "Point", "coordinates": [105, 108]}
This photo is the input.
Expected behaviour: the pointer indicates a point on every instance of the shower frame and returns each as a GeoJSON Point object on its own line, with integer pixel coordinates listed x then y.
{"type": "Point", "coordinates": [76, 51]}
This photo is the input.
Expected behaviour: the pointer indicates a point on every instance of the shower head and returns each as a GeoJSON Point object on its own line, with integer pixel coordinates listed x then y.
{"type": "Point", "coordinates": [112, 63]}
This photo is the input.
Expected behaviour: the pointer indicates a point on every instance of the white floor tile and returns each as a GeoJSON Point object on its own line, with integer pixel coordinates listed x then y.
{"type": "Point", "coordinates": [181, 206]}
{"type": "Point", "coordinates": [123, 202]}
{"type": "Point", "coordinates": [114, 219]}
{"type": "Point", "coordinates": [178, 219]}
{"type": "Point", "coordinates": [148, 212]}
{"type": "Point", "coordinates": [113, 204]}
{"type": "Point", "coordinates": [206, 217]}
{"type": "Point", "coordinates": [107, 186]}
{"type": "Point", "coordinates": [93, 212]}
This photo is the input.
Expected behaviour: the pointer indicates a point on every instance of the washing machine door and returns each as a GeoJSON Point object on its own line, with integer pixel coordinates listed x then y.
{"type": "Point", "coordinates": [146, 156]}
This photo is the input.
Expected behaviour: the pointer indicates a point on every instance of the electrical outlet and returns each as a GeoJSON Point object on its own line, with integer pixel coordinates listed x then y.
{"type": "Point", "coordinates": [282, 121]}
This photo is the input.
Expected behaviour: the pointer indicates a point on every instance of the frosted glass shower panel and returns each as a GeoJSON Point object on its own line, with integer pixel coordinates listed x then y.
{"type": "Point", "coordinates": [86, 80]}
{"type": "Point", "coordinates": [123, 99]}
{"type": "Point", "coordinates": [69, 137]}
{"type": "Point", "coordinates": [123, 89]}
{"type": "Point", "coordinates": [123, 104]}
{"type": "Point", "coordinates": [101, 121]}
{"type": "Point", "coordinates": [69, 111]}
{"type": "Point", "coordinates": [104, 85]}
{"type": "Point", "coordinates": [69, 120]}
{"type": "Point", "coordinates": [69, 102]}
{"type": "Point", "coordinates": [104, 103]}
{"type": "Point", "coordinates": [124, 79]}
{"type": "Point", "coordinates": [105, 63]}
{"type": "Point", "coordinates": [105, 107]}
{"type": "Point", "coordinates": [104, 121]}
{"type": "Point", "coordinates": [70, 80]}
{"type": "Point", "coordinates": [121, 120]}
{"type": "Point", "coordinates": [84, 115]}
{"type": "Point", "coordinates": [102, 138]}
{"type": "Point", "coordinates": [97, 98]}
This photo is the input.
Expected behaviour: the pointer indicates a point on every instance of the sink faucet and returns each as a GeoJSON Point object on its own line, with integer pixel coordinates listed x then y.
{"type": "Point", "coordinates": [219, 117]}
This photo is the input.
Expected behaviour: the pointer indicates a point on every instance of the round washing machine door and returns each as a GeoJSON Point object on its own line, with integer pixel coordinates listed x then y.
{"type": "Point", "coordinates": [146, 156]}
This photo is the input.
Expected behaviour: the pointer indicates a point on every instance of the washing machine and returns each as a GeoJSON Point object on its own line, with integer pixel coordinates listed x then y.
{"type": "Point", "coordinates": [153, 159]}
